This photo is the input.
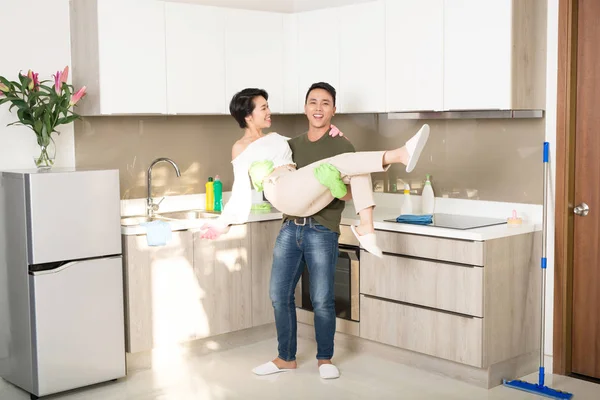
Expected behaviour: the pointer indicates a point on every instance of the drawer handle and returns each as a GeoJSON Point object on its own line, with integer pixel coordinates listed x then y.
{"type": "Point", "coordinates": [420, 306]}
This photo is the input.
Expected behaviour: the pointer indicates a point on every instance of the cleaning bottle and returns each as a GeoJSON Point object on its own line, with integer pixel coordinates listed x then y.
{"type": "Point", "coordinates": [210, 194]}
{"type": "Point", "coordinates": [407, 203]}
{"type": "Point", "coordinates": [218, 193]}
{"type": "Point", "coordinates": [427, 198]}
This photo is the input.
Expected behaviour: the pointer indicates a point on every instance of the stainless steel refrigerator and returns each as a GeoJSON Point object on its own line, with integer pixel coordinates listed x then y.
{"type": "Point", "coordinates": [61, 279]}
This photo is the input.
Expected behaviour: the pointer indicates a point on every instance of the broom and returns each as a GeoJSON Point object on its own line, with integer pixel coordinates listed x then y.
{"type": "Point", "coordinates": [539, 388]}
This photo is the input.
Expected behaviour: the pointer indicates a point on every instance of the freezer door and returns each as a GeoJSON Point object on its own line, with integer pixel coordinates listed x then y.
{"type": "Point", "coordinates": [73, 215]}
{"type": "Point", "coordinates": [78, 325]}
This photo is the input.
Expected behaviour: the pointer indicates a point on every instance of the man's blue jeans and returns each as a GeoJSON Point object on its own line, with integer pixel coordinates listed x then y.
{"type": "Point", "coordinates": [318, 247]}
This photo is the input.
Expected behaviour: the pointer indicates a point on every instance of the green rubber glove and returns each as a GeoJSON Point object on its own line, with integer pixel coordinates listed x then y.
{"type": "Point", "coordinates": [258, 171]}
{"type": "Point", "coordinates": [330, 176]}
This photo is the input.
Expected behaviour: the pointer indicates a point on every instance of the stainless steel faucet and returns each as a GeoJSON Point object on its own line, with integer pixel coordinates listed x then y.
{"type": "Point", "coordinates": [150, 205]}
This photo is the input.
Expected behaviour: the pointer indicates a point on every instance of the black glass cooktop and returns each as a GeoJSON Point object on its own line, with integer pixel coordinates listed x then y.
{"type": "Point", "coordinates": [453, 221]}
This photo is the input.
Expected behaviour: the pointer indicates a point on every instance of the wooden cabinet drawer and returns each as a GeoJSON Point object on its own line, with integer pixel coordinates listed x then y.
{"type": "Point", "coordinates": [436, 333]}
{"type": "Point", "coordinates": [450, 287]}
{"type": "Point", "coordinates": [453, 250]}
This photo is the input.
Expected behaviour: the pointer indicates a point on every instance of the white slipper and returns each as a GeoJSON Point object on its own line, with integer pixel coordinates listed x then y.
{"type": "Point", "coordinates": [269, 368]}
{"type": "Point", "coordinates": [367, 242]}
{"type": "Point", "coordinates": [329, 371]}
{"type": "Point", "coordinates": [415, 145]}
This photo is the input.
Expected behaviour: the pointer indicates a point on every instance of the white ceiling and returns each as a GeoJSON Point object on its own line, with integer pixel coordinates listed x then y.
{"type": "Point", "coordinates": [288, 6]}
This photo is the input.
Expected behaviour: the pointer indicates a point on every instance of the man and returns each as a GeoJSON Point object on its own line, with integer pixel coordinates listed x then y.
{"type": "Point", "coordinates": [313, 240]}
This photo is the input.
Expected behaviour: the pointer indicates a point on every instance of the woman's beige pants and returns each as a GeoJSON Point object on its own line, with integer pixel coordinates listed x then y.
{"type": "Point", "coordinates": [297, 192]}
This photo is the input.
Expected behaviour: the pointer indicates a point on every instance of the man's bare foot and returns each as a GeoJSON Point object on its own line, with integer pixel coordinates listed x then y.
{"type": "Point", "coordinates": [321, 362]}
{"type": "Point", "coordinates": [282, 364]}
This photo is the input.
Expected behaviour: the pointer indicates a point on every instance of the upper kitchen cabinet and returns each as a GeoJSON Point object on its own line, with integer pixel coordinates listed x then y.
{"type": "Point", "coordinates": [318, 50]}
{"type": "Point", "coordinates": [494, 54]}
{"type": "Point", "coordinates": [118, 52]}
{"type": "Point", "coordinates": [195, 54]}
{"type": "Point", "coordinates": [254, 54]}
{"type": "Point", "coordinates": [362, 58]}
{"type": "Point", "coordinates": [292, 101]}
{"type": "Point", "coordinates": [414, 55]}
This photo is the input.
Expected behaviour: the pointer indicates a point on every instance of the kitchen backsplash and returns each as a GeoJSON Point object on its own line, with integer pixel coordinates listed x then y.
{"type": "Point", "coordinates": [495, 160]}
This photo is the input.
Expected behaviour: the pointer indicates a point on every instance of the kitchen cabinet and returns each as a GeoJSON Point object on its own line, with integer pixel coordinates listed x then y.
{"type": "Point", "coordinates": [222, 270]}
{"type": "Point", "coordinates": [475, 303]}
{"type": "Point", "coordinates": [162, 294]}
{"type": "Point", "coordinates": [318, 50]}
{"type": "Point", "coordinates": [193, 288]}
{"type": "Point", "coordinates": [293, 100]}
{"type": "Point", "coordinates": [263, 236]}
{"type": "Point", "coordinates": [119, 54]}
{"type": "Point", "coordinates": [494, 54]}
{"type": "Point", "coordinates": [254, 54]}
{"type": "Point", "coordinates": [362, 58]}
{"type": "Point", "coordinates": [195, 54]}
{"type": "Point", "coordinates": [414, 55]}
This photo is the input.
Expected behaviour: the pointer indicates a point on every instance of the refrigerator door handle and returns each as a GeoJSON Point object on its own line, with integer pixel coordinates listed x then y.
{"type": "Point", "coordinates": [55, 270]}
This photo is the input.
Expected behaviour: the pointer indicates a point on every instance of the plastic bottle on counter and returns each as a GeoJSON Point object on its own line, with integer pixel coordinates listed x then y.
{"type": "Point", "coordinates": [218, 194]}
{"type": "Point", "coordinates": [210, 194]}
{"type": "Point", "coordinates": [407, 203]}
{"type": "Point", "coordinates": [428, 198]}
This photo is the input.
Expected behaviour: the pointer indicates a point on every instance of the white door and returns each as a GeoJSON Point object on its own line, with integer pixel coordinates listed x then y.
{"type": "Point", "coordinates": [362, 58]}
{"type": "Point", "coordinates": [477, 54]}
{"type": "Point", "coordinates": [195, 59]}
{"type": "Point", "coordinates": [78, 324]}
{"type": "Point", "coordinates": [131, 41]}
{"type": "Point", "coordinates": [414, 55]}
{"type": "Point", "coordinates": [254, 54]}
{"type": "Point", "coordinates": [318, 50]}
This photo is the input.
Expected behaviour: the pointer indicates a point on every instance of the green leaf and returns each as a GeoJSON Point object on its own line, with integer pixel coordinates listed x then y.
{"type": "Point", "coordinates": [67, 120]}
{"type": "Point", "coordinates": [20, 104]}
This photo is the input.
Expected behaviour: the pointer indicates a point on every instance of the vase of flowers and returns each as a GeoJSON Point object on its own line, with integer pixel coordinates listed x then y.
{"type": "Point", "coordinates": [42, 108]}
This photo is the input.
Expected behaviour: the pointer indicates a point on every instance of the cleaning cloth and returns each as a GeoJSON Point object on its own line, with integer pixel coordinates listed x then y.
{"type": "Point", "coordinates": [415, 219]}
{"type": "Point", "coordinates": [158, 233]}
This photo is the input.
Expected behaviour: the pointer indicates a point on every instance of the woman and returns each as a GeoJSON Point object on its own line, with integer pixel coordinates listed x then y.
{"type": "Point", "coordinates": [305, 191]}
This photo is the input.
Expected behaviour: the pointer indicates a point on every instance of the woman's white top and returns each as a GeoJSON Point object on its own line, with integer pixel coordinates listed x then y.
{"type": "Point", "coordinates": [272, 147]}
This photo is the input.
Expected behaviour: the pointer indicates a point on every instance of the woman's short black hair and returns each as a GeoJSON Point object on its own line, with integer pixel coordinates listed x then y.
{"type": "Point", "coordinates": [242, 104]}
{"type": "Point", "coordinates": [321, 85]}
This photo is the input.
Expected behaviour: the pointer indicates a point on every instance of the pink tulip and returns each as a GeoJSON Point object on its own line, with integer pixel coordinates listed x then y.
{"type": "Point", "coordinates": [65, 75]}
{"type": "Point", "coordinates": [77, 96]}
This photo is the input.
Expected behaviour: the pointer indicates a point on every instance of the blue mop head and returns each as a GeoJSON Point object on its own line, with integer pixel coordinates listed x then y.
{"type": "Point", "coordinates": [538, 389]}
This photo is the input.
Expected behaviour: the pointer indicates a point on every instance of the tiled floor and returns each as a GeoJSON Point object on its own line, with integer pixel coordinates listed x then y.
{"type": "Point", "coordinates": [212, 370]}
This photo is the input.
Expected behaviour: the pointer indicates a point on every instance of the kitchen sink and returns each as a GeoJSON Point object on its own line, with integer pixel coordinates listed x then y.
{"type": "Point", "coordinates": [169, 216]}
{"type": "Point", "coordinates": [189, 214]}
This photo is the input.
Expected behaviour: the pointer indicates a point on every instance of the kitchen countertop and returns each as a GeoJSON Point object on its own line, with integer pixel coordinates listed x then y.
{"type": "Point", "coordinates": [349, 218]}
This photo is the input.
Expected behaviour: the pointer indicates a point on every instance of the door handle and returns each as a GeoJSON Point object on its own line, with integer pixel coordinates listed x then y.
{"type": "Point", "coordinates": [582, 210]}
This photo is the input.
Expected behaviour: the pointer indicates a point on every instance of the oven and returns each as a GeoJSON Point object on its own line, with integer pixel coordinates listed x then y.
{"type": "Point", "coordinates": [346, 280]}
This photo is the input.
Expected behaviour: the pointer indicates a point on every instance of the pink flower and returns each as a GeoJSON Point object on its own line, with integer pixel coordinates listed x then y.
{"type": "Point", "coordinates": [65, 75]}
{"type": "Point", "coordinates": [57, 82]}
{"type": "Point", "coordinates": [34, 82]}
{"type": "Point", "coordinates": [77, 96]}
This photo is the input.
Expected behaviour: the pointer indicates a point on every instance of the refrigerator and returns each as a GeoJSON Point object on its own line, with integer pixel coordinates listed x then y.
{"type": "Point", "coordinates": [61, 279]}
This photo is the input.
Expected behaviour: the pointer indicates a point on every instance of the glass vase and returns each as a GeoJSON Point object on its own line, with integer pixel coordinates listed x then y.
{"type": "Point", "coordinates": [44, 160]}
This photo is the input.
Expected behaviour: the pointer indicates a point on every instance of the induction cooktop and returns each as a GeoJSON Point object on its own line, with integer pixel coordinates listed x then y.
{"type": "Point", "coordinates": [463, 222]}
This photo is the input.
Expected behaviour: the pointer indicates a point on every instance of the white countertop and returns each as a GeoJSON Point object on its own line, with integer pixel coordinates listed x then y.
{"type": "Point", "coordinates": [381, 213]}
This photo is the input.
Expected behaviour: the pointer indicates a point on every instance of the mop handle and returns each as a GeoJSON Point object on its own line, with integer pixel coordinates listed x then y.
{"type": "Point", "coordinates": [544, 263]}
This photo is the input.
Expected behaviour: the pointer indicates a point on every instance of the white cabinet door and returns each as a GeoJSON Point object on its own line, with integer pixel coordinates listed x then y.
{"type": "Point", "coordinates": [477, 54]}
{"type": "Point", "coordinates": [415, 55]}
{"type": "Point", "coordinates": [131, 41]}
{"type": "Point", "coordinates": [195, 41]}
{"type": "Point", "coordinates": [254, 54]}
{"type": "Point", "coordinates": [362, 58]}
{"type": "Point", "coordinates": [292, 101]}
{"type": "Point", "coordinates": [318, 50]}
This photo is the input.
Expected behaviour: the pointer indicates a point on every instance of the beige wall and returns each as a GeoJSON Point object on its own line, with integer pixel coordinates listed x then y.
{"type": "Point", "coordinates": [497, 160]}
